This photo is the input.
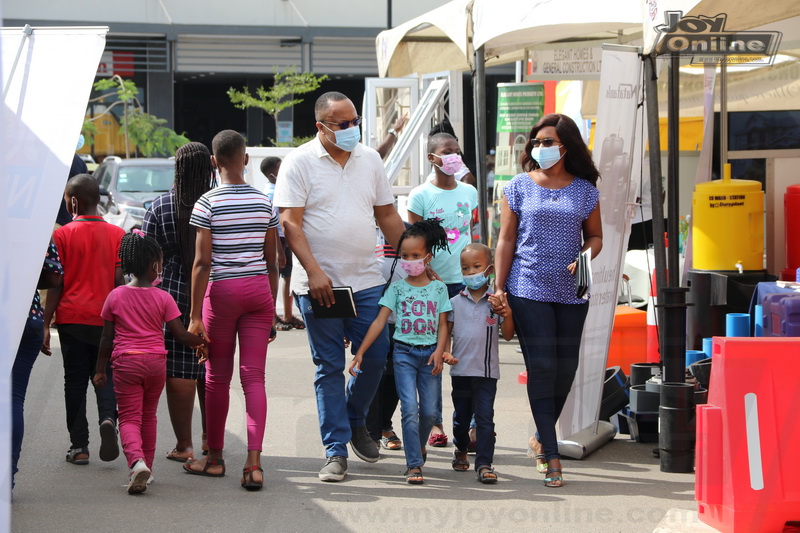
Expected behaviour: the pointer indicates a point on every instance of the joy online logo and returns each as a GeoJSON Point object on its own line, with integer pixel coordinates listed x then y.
{"type": "Point", "coordinates": [706, 40]}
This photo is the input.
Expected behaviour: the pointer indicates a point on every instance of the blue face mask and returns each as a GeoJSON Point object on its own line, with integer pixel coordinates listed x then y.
{"type": "Point", "coordinates": [346, 139]}
{"type": "Point", "coordinates": [476, 281]}
{"type": "Point", "coordinates": [546, 157]}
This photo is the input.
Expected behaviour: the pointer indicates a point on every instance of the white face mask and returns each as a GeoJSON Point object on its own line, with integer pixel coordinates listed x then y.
{"type": "Point", "coordinates": [546, 157]}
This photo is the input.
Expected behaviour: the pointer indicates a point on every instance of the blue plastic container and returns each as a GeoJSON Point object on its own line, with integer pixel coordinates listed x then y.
{"type": "Point", "coordinates": [708, 347]}
{"type": "Point", "coordinates": [737, 325]}
{"type": "Point", "coordinates": [692, 356]}
{"type": "Point", "coordinates": [758, 330]}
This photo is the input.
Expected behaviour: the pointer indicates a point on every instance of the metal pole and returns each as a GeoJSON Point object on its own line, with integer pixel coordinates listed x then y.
{"type": "Point", "coordinates": [673, 154]}
{"type": "Point", "coordinates": [389, 14]}
{"type": "Point", "coordinates": [479, 94]}
{"type": "Point", "coordinates": [26, 32]}
{"type": "Point", "coordinates": [656, 189]}
{"type": "Point", "coordinates": [723, 118]}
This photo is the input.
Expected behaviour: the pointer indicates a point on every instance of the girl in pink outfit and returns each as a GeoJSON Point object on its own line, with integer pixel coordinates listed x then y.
{"type": "Point", "coordinates": [134, 316]}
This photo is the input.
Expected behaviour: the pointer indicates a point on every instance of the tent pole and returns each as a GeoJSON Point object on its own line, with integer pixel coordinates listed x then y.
{"type": "Point", "coordinates": [479, 96]}
{"type": "Point", "coordinates": [723, 118]}
{"type": "Point", "coordinates": [656, 188]}
{"type": "Point", "coordinates": [674, 298]}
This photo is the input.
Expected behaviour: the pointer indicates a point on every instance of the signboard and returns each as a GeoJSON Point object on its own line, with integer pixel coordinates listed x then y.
{"type": "Point", "coordinates": [285, 131]}
{"type": "Point", "coordinates": [519, 106]}
{"type": "Point", "coordinates": [573, 62]}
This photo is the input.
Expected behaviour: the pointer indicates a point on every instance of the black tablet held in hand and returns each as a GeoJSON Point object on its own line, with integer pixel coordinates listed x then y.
{"type": "Point", "coordinates": [344, 306]}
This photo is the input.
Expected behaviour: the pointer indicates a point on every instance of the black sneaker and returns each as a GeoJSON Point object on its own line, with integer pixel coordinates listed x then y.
{"type": "Point", "coordinates": [109, 448]}
{"type": "Point", "coordinates": [335, 469]}
{"type": "Point", "coordinates": [363, 445]}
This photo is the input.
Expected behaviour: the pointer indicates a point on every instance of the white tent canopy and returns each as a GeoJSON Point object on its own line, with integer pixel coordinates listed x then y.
{"type": "Point", "coordinates": [507, 26]}
{"type": "Point", "coordinates": [436, 41]}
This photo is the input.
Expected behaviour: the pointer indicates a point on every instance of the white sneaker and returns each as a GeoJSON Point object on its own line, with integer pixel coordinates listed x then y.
{"type": "Point", "coordinates": [140, 474]}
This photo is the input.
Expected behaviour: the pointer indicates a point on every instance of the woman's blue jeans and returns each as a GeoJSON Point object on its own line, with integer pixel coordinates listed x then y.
{"type": "Point", "coordinates": [418, 390]}
{"type": "Point", "coordinates": [550, 337]}
{"type": "Point", "coordinates": [29, 346]}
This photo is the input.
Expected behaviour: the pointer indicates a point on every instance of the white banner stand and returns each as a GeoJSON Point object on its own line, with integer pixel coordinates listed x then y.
{"type": "Point", "coordinates": [47, 76]}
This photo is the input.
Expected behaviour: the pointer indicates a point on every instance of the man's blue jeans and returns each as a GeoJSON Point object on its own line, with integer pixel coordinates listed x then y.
{"type": "Point", "coordinates": [418, 390]}
{"type": "Point", "coordinates": [344, 406]}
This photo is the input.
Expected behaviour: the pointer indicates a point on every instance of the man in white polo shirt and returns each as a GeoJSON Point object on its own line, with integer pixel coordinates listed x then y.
{"type": "Point", "coordinates": [330, 193]}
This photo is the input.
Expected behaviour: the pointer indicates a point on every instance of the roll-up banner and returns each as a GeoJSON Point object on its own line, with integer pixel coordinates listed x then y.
{"type": "Point", "coordinates": [47, 76]}
{"type": "Point", "coordinates": [618, 144]}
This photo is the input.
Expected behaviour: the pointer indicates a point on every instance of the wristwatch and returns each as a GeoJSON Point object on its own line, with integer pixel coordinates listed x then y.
{"type": "Point", "coordinates": [392, 132]}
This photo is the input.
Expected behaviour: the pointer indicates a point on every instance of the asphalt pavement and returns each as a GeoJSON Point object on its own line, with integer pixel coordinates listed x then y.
{"type": "Point", "coordinates": [619, 488]}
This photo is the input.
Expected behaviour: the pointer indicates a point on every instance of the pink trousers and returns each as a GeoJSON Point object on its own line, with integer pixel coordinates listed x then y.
{"type": "Point", "coordinates": [138, 382]}
{"type": "Point", "coordinates": [232, 308]}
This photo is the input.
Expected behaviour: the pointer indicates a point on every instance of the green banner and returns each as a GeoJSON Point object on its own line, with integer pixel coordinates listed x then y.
{"type": "Point", "coordinates": [519, 106]}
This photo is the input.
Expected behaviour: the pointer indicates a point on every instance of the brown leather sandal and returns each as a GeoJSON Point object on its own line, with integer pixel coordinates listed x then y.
{"type": "Point", "coordinates": [187, 467]}
{"type": "Point", "coordinates": [248, 482]}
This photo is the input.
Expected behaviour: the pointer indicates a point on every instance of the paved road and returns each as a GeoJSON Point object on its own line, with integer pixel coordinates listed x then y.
{"type": "Point", "coordinates": [618, 488]}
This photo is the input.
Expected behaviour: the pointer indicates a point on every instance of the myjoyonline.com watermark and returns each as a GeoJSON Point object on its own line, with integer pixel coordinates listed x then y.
{"type": "Point", "coordinates": [705, 40]}
{"type": "Point", "coordinates": [468, 514]}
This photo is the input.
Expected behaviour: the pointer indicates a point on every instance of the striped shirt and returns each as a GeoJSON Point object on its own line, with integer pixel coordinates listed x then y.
{"type": "Point", "coordinates": [238, 216]}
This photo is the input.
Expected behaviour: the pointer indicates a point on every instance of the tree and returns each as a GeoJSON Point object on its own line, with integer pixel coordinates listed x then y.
{"type": "Point", "coordinates": [282, 95]}
{"type": "Point", "coordinates": [146, 131]}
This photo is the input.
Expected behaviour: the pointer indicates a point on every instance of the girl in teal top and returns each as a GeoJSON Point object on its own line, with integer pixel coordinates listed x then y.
{"type": "Point", "coordinates": [421, 307]}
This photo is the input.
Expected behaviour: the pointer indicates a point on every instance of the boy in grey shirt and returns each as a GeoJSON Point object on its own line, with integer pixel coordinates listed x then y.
{"type": "Point", "coordinates": [475, 328]}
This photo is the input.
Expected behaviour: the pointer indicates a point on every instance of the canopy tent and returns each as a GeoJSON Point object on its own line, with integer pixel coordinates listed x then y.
{"type": "Point", "coordinates": [509, 26]}
{"type": "Point", "coordinates": [436, 41]}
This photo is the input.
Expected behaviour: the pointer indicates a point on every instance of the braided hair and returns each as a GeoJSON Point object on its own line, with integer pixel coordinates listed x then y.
{"type": "Point", "coordinates": [432, 233]}
{"type": "Point", "coordinates": [138, 252]}
{"type": "Point", "coordinates": [192, 179]}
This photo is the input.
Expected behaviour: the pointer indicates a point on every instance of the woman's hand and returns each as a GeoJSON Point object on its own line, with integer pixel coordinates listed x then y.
{"type": "Point", "coordinates": [197, 328]}
{"type": "Point", "coordinates": [499, 302]}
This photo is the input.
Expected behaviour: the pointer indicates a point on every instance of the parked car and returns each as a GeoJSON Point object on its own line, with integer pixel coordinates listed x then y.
{"type": "Point", "coordinates": [129, 186]}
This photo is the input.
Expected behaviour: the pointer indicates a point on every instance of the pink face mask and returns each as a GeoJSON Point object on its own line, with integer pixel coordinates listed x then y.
{"type": "Point", "coordinates": [451, 163]}
{"type": "Point", "coordinates": [413, 268]}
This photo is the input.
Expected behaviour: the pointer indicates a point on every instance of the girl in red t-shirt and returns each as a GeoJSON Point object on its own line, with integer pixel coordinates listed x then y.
{"type": "Point", "coordinates": [134, 316]}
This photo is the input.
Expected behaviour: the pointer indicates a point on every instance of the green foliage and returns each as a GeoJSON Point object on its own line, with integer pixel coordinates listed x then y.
{"type": "Point", "coordinates": [88, 130]}
{"type": "Point", "coordinates": [126, 89]}
{"type": "Point", "coordinates": [282, 95]}
{"type": "Point", "coordinates": [147, 132]}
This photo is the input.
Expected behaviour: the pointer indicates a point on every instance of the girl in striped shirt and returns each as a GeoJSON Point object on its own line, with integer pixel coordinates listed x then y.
{"type": "Point", "coordinates": [232, 294]}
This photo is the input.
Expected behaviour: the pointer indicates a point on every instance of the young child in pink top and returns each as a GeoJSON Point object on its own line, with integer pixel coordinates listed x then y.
{"type": "Point", "coordinates": [134, 316]}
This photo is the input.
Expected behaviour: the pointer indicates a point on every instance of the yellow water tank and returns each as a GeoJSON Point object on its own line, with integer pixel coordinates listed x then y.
{"type": "Point", "coordinates": [728, 224]}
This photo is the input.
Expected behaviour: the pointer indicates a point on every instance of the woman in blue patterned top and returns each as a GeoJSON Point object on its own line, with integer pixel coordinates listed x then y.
{"type": "Point", "coordinates": [550, 214]}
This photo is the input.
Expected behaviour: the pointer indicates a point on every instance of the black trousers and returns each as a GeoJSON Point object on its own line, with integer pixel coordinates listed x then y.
{"type": "Point", "coordinates": [80, 344]}
{"type": "Point", "coordinates": [474, 396]}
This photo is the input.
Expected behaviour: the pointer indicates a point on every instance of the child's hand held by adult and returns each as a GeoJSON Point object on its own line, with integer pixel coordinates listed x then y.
{"type": "Point", "coordinates": [449, 359]}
